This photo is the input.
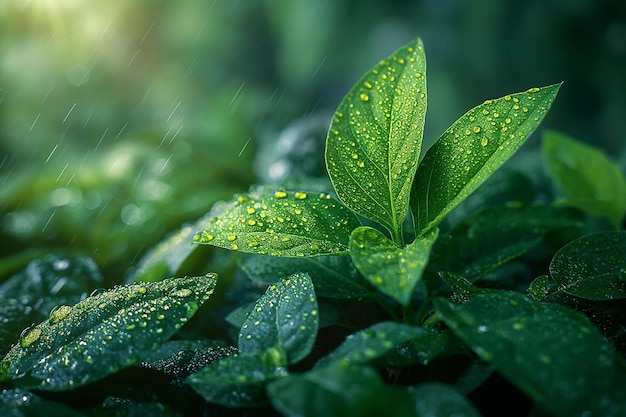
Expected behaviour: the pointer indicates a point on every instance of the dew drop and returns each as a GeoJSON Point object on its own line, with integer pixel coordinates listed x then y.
{"type": "Point", "coordinates": [484, 141]}
{"type": "Point", "coordinates": [30, 336]}
{"type": "Point", "coordinates": [476, 129]}
{"type": "Point", "coordinates": [250, 210]}
{"type": "Point", "coordinates": [182, 293]}
{"type": "Point", "coordinates": [299, 196]}
{"type": "Point", "coordinates": [59, 313]}
{"type": "Point", "coordinates": [364, 97]}
{"type": "Point", "coordinates": [280, 194]}
{"type": "Point", "coordinates": [367, 84]}
{"type": "Point", "coordinates": [231, 238]}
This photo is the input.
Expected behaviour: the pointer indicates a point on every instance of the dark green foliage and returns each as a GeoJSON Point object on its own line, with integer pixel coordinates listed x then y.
{"type": "Point", "coordinates": [417, 287]}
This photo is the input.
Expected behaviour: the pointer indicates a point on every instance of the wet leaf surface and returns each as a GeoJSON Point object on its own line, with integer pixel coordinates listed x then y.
{"type": "Point", "coordinates": [375, 138]}
{"type": "Point", "coordinates": [104, 333]}
{"type": "Point", "coordinates": [273, 222]}
{"type": "Point", "coordinates": [592, 266]}
{"type": "Point", "coordinates": [470, 150]}
{"type": "Point", "coordinates": [283, 323]}
{"type": "Point", "coordinates": [393, 270]}
{"type": "Point", "coordinates": [553, 354]}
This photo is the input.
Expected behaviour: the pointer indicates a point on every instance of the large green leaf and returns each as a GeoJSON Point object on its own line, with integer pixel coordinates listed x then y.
{"type": "Point", "coordinates": [339, 391]}
{"type": "Point", "coordinates": [333, 276]}
{"type": "Point", "coordinates": [471, 149]}
{"type": "Point", "coordinates": [284, 322]}
{"type": "Point", "coordinates": [273, 222]}
{"type": "Point", "coordinates": [592, 266]}
{"type": "Point", "coordinates": [591, 181]}
{"type": "Point", "coordinates": [553, 354]}
{"type": "Point", "coordinates": [375, 138]}
{"type": "Point", "coordinates": [103, 333]}
{"type": "Point", "coordinates": [395, 271]}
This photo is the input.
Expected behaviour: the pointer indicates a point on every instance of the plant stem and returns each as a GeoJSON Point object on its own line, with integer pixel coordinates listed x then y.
{"type": "Point", "coordinates": [423, 309]}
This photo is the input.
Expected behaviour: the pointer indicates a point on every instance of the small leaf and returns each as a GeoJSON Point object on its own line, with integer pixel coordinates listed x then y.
{"type": "Point", "coordinates": [284, 321]}
{"type": "Point", "coordinates": [378, 340]}
{"type": "Point", "coordinates": [435, 399]}
{"type": "Point", "coordinates": [336, 391]}
{"type": "Point", "coordinates": [592, 266]}
{"type": "Point", "coordinates": [374, 141]}
{"type": "Point", "coordinates": [393, 270]}
{"type": "Point", "coordinates": [236, 381]}
{"type": "Point", "coordinates": [474, 147]}
{"type": "Point", "coordinates": [539, 288]}
{"type": "Point", "coordinates": [591, 181]}
{"type": "Point", "coordinates": [553, 354]}
{"type": "Point", "coordinates": [332, 276]}
{"type": "Point", "coordinates": [281, 223]}
{"type": "Point", "coordinates": [103, 333]}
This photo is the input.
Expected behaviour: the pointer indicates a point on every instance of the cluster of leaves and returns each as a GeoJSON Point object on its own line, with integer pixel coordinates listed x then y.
{"type": "Point", "coordinates": [402, 292]}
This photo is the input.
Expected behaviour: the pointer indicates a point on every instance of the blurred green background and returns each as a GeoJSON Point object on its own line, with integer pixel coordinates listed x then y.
{"type": "Point", "coordinates": [120, 120]}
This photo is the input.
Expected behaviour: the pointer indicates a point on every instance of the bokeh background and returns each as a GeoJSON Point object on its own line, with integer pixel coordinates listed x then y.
{"type": "Point", "coordinates": [120, 120]}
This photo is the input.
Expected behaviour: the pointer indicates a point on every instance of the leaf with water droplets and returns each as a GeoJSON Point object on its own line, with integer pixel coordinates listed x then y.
{"type": "Point", "coordinates": [374, 141]}
{"type": "Point", "coordinates": [592, 266]}
{"type": "Point", "coordinates": [273, 222]}
{"type": "Point", "coordinates": [333, 276]}
{"type": "Point", "coordinates": [368, 345]}
{"type": "Point", "coordinates": [393, 270]}
{"type": "Point", "coordinates": [591, 181]}
{"type": "Point", "coordinates": [553, 354]}
{"type": "Point", "coordinates": [283, 323]}
{"type": "Point", "coordinates": [338, 391]}
{"type": "Point", "coordinates": [104, 333]}
{"type": "Point", "coordinates": [236, 381]}
{"type": "Point", "coordinates": [472, 148]}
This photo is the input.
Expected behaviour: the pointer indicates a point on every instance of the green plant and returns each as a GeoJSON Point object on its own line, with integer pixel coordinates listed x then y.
{"type": "Point", "coordinates": [365, 302]}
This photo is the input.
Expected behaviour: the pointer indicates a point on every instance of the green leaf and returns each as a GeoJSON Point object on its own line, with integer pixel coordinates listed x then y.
{"type": "Point", "coordinates": [393, 270]}
{"type": "Point", "coordinates": [539, 288]}
{"type": "Point", "coordinates": [553, 354]}
{"type": "Point", "coordinates": [103, 333]}
{"type": "Point", "coordinates": [332, 276]}
{"type": "Point", "coordinates": [374, 141]}
{"type": "Point", "coordinates": [435, 399]}
{"type": "Point", "coordinates": [283, 322]}
{"type": "Point", "coordinates": [462, 289]}
{"type": "Point", "coordinates": [367, 345]}
{"type": "Point", "coordinates": [339, 391]}
{"type": "Point", "coordinates": [471, 149]}
{"type": "Point", "coordinates": [592, 266]}
{"type": "Point", "coordinates": [281, 223]}
{"type": "Point", "coordinates": [591, 181]}
{"type": "Point", "coordinates": [236, 381]}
